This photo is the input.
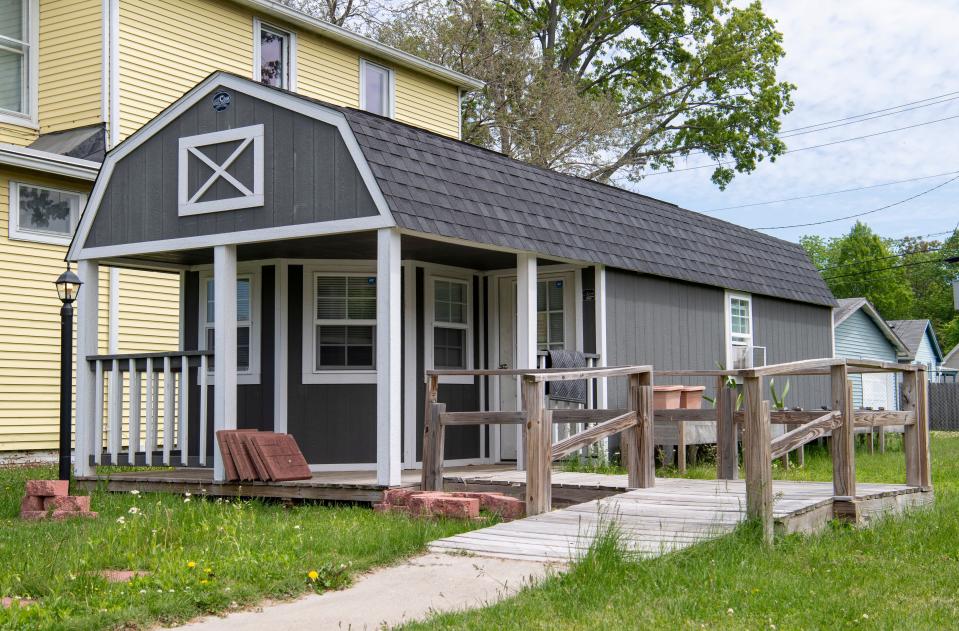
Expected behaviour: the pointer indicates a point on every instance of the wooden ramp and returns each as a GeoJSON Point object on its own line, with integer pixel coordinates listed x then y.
{"type": "Point", "coordinates": [676, 513]}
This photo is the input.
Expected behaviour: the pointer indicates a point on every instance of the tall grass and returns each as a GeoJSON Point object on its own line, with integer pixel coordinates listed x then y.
{"type": "Point", "coordinates": [900, 573]}
{"type": "Point", "coordinates": [203, 555]}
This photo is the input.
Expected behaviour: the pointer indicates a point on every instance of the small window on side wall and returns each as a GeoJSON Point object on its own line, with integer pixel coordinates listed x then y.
{"type": "Point", "coordinates": [274, 56]}
{"type": "Point", "coordinates": [740, 331]}
{"type": "Point", "coordinates": [376, 89]}
{"type": "Point", "coordinates": [43, 215]}
{"type": "Point", "coordinates": [450, 324]}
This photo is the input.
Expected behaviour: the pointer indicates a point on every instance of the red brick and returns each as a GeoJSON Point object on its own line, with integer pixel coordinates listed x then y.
{"type": "Point", "coordinates": [506, 507]}
{"type": "Point", "coordinates": [67, 514]}
{"type": "Point", "coordinates": [33, 515]}
{"type": "Point", "coordinates": [31, 504]}
{"type": "Point", "coordinates": [68, 503]}
{"type": "Point", "coordinates": [397, 497]}
{"type": "Point", "coordinates": [121, 576]}
{"type": "Point", "coordinates": [48, 488]}
{"type": "Point", "coordinates": [420, 504]}
{"type": "Point", "coordinates": [455, 507]}
{"type": "Point", "coordinates": [6, 602]}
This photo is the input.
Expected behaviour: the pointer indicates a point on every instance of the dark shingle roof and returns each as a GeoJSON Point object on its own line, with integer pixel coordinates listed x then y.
{"type": "Point", "coordinates": [846, 308]}
{"type": "Point", "coordinates": [441, 186]}
{"type": "Point", "coordinates": [910, 332]}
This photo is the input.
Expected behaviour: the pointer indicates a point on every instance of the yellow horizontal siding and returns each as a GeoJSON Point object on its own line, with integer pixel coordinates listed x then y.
{"type": "Point", "coordinates": [16, 135]}
{"type": "Point", "coordinates": [71, 49]}
{"type": "Point", "coordinates": [167, 48]}
{"type": "Point", "coordinates": [426, 102]}
{"type": "Point", "coordinates": [30, 323]}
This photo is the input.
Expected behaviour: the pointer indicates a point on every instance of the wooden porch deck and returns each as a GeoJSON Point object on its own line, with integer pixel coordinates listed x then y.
{"type": "Point", "coordinates": [674, 514]}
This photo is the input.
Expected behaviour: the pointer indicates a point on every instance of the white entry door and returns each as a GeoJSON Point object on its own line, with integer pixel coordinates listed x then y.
{"type": "Point", "coordinates": [555, 329]}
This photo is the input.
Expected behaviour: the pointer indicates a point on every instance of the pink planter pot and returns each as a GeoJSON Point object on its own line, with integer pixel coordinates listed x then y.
{"type": "Point", "coordinates": [667, 397]}
{"type": "Point", "coordinates": [692, 397]}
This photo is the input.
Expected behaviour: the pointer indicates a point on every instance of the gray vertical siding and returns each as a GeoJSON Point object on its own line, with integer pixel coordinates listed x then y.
{"type": "Point", "coordinates": [675, 325]}
{"type": "Point", "coordinates": [668, 324]}
{"type": "Point", "coordinates": [254, 401]}
{"type": "Point", "coordinates": [791, 331]}
{"type": "Point", "coordinates": [332, 423]}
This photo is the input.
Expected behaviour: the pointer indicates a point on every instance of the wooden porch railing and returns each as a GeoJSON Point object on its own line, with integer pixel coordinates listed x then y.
{"type": "Point", "coordinates": [152, 414]}
{"type": "Point", "coordinates": [634, 424]}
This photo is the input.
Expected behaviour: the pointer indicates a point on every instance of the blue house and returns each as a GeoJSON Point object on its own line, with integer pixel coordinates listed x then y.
{"type": "Point", "coordinates": [861, 333]}
{"type": "Point", "coordinates": [920, 338]}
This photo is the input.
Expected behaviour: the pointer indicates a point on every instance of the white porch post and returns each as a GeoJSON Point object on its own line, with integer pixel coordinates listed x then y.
{"type": "Point", "coordinates": [525, 331]}
{"type": "Point", "coordinates": [388, 365]}
{"type": "Point", "coordinates": [224, 352]}
{"type": "Point", "coordinates": [601, 398]}
{"type": "Point", "coordinates": [88, 318]}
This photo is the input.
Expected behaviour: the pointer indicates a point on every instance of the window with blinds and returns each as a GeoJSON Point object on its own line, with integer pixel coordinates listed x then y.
{"type": "Point", "coordinates": [344, 321]}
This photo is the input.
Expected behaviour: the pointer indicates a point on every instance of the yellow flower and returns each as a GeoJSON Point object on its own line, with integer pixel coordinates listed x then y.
{"type": "Point", "coordinates": [208, 570]}
{"type": "Point", "coordinates": [204, 582]}
{"type": "Point", "coordinates": [313, 575]}
{"type": "Point", "coordinates": [191, 564]}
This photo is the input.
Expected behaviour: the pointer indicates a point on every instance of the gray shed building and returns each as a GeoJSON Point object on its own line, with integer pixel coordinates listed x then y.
{"type": "Point", "coordinates": [329, 256]}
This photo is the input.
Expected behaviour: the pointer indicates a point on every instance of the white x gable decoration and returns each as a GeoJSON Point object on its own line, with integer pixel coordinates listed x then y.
{"type": "Point", "coordinates": [249, 194]}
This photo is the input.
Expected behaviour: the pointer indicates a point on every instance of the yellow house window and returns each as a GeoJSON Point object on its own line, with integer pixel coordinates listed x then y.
{"type": "Point", "coordinates": [18, 61]}
{"type": "Point", "coordinates": [274, 56]}
{"type": "Point", "coordinates": [376, 89]}
{"type": "Point", "coordinates": [43, 215]}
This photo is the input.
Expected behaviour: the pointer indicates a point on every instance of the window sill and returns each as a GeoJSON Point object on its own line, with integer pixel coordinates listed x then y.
{"type": "Point", "coordinates": [340, 377]}
{"type": "Point", "coordinates": [39, 237]}
{"type": "Point", "coordinates": [20, 120]}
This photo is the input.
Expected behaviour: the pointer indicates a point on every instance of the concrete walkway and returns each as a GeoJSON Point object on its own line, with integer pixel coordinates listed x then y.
{"type": "Point", "coordinates": [394, 595]}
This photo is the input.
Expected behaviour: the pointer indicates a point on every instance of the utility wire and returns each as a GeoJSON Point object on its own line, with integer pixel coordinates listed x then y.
{"type": "Point", "coordinates": [825, 144]}
{"type": "Point", "coordinates": [886, 109]}
{"type": "Point", "coordinates": [868, 212]}
{"type": "Point", "coordinates": [878, 258]}
{"type": "Point", "coordinates": [884, 269]}
{"type": "Point", "coordinates": [845, 190]}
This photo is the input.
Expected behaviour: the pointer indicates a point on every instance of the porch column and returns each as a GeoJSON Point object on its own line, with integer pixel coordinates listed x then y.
{"type": "Point", "coordinates": [525, 331]}
{"type": "Point", "coordinates": [224, 348]}
{"type": "Point", "coordinates": [388, 366]}
{"type": "Point", "coordinates": [88, 319]}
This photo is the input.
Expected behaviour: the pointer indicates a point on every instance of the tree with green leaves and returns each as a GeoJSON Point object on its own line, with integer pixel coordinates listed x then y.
{"type": "Point", "coordinates": [610, 88]}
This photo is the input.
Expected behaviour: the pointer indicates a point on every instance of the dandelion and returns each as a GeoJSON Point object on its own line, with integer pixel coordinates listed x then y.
{"type": "Point", "coordinates": [186, 500]}
{"type": "Point", "coordinates": [208, 570]}
{"type": "Point", "coordinates": [865, 616]}
{"type": "Point", "coordinates": [296, 527]}
{"type": "Point", "coordinates": [730, 611]}
{"type": "Point", "coordinates": [313, 575]}
{"type": "Point", "coordinates": [191, 564]}
{"type": "Point", "coordinates": [121, 520]}
{"type": "Point", "coordinates": [203, 582]}
{"type": "Point", "coordinates": [134, 492]}
{"type": "Point", "coordinates": [134, 510]}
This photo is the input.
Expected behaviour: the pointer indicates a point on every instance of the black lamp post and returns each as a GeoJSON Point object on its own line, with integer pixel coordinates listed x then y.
{"type": "Point", "coordinates": [67, 287]}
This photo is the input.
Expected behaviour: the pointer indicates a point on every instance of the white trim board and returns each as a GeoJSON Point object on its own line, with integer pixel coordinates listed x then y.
{"type": "Point", "coordinates": [254, 90]}
{"type": "Point", "coordinates": [46, 162]}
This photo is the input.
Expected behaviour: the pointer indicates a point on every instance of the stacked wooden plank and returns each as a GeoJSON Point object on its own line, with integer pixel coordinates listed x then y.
{"type": "Point", "coordinates": [250, 455]}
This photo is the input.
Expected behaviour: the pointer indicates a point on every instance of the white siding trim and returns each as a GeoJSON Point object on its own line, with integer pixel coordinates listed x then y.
{"type": "Point", "coordinates": [388, 383]}
{"type": "Point", "coordinates": [281, 339]}
{"type": "Point", "coordinates": [601, 384]}
{"type": "Point", "coordinates": [409, 365]}
{"type": "Point", "coordinates": [88, 321]}
{"type": "Point", "coordinates": [225, 379]}
{"type": "Point", "coordinates": [526, 280]}
{"type": "Point", "coordinates": [114, 82]}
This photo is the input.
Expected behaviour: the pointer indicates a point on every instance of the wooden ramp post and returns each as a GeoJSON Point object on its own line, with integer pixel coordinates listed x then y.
{"type": "Point", "coordinates": [727, 448]}
{"type": "Point", "coordinates": [539, 449]}
{"type": "Point", "coordinates": [916, 437]}
{"type": "Point", "coordinates": [843, 437]}
{"type": "Point", "coordinates": [434, 436]}
{"type": "Point", "coordinates": [757, 457]}
{"type": "Point", "coordinates": [637, 442]}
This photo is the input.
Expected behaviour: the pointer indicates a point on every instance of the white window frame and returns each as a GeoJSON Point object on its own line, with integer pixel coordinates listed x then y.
{"type": "Point", "coordinates": [730, 341]}
{"type": "Point", "coordinates": [289, 51]}
{"type": "Point", "coordinates": [32, 75]}
{"type": "Point", "coordinates": [390, 86]}
{"type": "Point", "coordinates": [310, 375]}
{"type": "Point", "coordinates": [431, 323]}
{"type": "Point", "coordinates": [37, 236]}
{"type": "Point", "coordinates": [251, 376]}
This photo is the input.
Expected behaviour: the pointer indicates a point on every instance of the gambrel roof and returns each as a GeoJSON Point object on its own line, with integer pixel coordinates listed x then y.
{"type": "Point", "coordinates": [434, 185]}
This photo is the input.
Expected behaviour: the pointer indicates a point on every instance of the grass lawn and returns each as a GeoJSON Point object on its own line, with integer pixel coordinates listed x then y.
{"type": "Point", "coordinates": [204, 555]}
{"type": "Point", "coordinates": [902, 573]}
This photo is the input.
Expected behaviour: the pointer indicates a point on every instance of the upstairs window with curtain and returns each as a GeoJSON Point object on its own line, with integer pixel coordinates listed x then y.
{"type": "Point", "coordinates": [17, 56]}
{"type": "Point", "coordinates": [274, 60]}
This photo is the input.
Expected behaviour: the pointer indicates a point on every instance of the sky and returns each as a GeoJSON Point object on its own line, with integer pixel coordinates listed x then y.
{"type": "Point", "coordinates": [848, 58]}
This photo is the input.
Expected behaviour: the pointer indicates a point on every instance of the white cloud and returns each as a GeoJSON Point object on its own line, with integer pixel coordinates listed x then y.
{"type": "Point", "coordinates": [847, 58]}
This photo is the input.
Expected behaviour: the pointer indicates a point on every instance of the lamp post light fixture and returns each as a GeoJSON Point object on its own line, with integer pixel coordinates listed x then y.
{"type": "Point", "coordinates": [68, 284]}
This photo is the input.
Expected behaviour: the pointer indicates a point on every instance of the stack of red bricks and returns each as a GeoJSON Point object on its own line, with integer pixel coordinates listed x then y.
{"type": "Point", "coordinates": [456, 504]}
{"type": "Point", "coordinates": [52, 499]}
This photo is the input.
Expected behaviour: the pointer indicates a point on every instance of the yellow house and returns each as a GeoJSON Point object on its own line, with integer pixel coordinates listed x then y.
{"type": "Point", "coordinates": [76, 78]}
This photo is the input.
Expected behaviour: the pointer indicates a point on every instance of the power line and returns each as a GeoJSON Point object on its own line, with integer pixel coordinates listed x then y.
{"type": "Point", "coordinates": [868, 212]}
{"type": "Point", "coordinates": [825, 144]}
{"type": "Point", "coordinates": [886, 109]}
{"type": "Point", "coordinates": [845, 190]}
{"type": "Point", "coordinates": [878, 258]}
{"type": "Point", "coordinates": [825, 126]}
{"type": "Point", "coordinates": [884, 269]}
